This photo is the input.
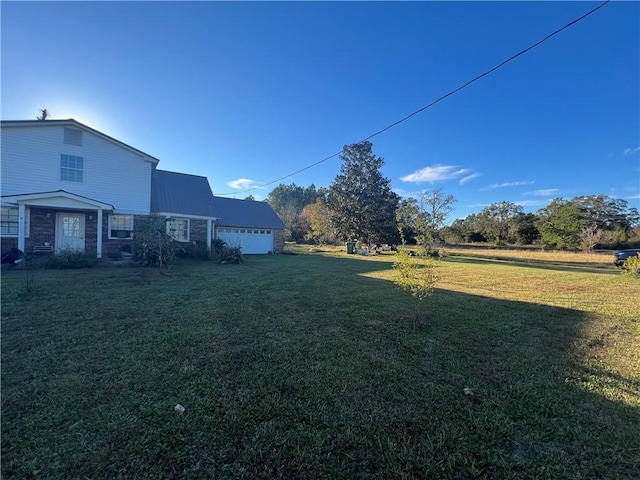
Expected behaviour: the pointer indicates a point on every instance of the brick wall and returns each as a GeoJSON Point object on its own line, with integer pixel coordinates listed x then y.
{"type": "Point", "coordinates": [7, 243]}
{"type": "Point", "coordinates": [113, 248]}
{"type": "Point", "coordinates": [278, 241]}
{"type": "Point", "coordinates": [42, 224]}
{"type": "Point", "coordinates": [198, 232]}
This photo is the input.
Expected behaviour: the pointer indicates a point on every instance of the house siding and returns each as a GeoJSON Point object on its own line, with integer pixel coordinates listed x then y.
{"type": "Point", "coordinates": [31, 163]}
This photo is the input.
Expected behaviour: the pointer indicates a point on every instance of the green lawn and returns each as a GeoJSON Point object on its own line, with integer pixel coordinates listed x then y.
{"type": "Point", "coordinates": [311, 366]}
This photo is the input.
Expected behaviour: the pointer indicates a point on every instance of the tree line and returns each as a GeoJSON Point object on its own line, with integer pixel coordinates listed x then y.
{"type": "Point", "coordinates": [361, 206]}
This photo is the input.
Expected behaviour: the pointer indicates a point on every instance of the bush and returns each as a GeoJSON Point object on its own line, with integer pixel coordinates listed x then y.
{"type": "Point", "coordinates": [67, 259]}
{"type": "Point", "coordinates": [223, 253]}
{"type": "Point", "coordinates": [631, 266]}
{"type": "Point", "coordinates": [152, 244]}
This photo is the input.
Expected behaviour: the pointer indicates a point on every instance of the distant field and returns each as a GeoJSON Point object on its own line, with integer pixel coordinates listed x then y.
{"type": "Point", "coordinates": [591, 259]}
{"type": "Point", "coordinates": [310, 366]}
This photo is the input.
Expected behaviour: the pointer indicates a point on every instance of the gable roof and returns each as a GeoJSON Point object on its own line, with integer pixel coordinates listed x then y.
{"type": "Point", "coordinates": [74, 123]}
{"type": "Point", "coordinates": [68, 200]}
{"type": "Point", "coordinates": [181, 193]}
{"type": "Point", "coordinates": [245, 213]}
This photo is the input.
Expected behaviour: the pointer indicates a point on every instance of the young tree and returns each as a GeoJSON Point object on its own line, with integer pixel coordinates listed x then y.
{"type": "Point", "coordinates": [415, 275]}
{"type": "Point", "coordinates": [361, 201]}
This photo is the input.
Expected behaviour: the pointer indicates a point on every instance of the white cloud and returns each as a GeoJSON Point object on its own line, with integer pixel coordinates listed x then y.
{"type": "Point", "coordinates": [468, 178]}
{"type": "Point", "coordinates": [508, 184]}
{"type": "Point", "coordinates": [436, 173]}
{"type": "Point", "coordinates": [242, 184]}
{"type": "Point", "coordinates": [634, 197]}
{"type": "Point", "coordinates": [631, 151]}
{"type": "Point", "coordinates": [531, 203]}
{"type": "Point", "coordinates": [546, 193]}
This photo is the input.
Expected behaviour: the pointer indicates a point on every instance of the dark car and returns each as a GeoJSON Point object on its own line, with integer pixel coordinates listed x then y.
{"type": "Point", "coordinates": [622, 255]}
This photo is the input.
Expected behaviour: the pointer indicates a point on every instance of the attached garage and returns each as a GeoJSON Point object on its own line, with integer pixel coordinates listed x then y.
{"type": "Point", "coordinates": [249, 224]}
{"type": "Point", "coordinates": [248, 239]}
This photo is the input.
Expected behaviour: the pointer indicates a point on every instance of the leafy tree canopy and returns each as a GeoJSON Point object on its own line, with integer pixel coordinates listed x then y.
{"type": "Point", "coordinates": [361, 201]}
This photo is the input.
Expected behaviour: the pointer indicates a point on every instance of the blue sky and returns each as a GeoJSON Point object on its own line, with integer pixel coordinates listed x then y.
{"type": "Point", "coordinates": [247, 93]}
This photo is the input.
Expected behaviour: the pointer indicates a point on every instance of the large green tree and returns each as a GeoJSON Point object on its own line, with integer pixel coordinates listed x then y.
{"type": "Point", "coordinates": [363, 206]}
{"type": "Point", "coordinates": [318, 218]}
{"type": "Point", "coordinates": [586, 221]}
{"type": "Point", "coordinates": [407, 216]}
{"type": "Point", "coordinates": [559, 224]}
{"type": "Point", "coordinates": [497, 222]}
{"type": "Point", "coordinates": [288, 201]}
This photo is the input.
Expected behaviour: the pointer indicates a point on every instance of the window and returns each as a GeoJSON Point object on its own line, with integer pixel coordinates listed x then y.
{"type": "Point", "coordinates": [9, 222]}
{"type": "Point", "coordinates": [73, 136]}
{"type": "Point", "coordinates": [178, 228]}
{"type": "Point", "coordinates": [71, 168]}
{"type": "Point", "coordinates": [120, 226]}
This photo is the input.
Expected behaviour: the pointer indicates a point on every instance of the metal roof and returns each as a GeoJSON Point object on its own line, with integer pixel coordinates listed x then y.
{"type": "Point", "coordinates": [180, 193]}
{"type": "Point", "coordinates": [245, 213]}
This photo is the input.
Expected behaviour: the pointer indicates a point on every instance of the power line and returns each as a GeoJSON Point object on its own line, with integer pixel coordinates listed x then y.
{"type": "Point", "coordinates": [420, 110]}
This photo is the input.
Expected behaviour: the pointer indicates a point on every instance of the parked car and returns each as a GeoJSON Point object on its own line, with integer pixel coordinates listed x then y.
{"type": "Point", "coordinates": [622, 255]}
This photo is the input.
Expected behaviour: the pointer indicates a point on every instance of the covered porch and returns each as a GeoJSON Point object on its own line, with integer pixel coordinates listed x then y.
{"type": "Point", "coordinates": [53, 222]}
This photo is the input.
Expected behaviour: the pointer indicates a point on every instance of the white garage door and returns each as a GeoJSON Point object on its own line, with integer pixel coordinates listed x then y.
{"type": "Point", "coordinates": [250, 240]}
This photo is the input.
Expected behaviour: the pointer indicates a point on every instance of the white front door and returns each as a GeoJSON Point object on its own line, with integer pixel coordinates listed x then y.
{"type": "Point", "coordinates": [69, 232]}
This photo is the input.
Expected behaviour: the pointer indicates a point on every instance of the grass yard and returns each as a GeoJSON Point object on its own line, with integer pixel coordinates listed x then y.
{"type": "Point", "coordinates": [310, 366]}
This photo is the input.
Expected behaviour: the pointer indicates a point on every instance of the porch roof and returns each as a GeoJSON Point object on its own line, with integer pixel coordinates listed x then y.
{"type": "Point", "coordinates": [56, 199]}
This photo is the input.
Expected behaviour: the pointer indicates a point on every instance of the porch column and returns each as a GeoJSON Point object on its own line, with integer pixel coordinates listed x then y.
{"type": "Point", "coordinates": [21, 226]}
{"type": "Point", "coordinates": [209, 233]}
{"type": "Point", "coordinates": [99, 242]}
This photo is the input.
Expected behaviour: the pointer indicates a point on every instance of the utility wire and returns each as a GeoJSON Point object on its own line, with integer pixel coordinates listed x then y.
{"type": "Point", "coordinates": [420, 110]}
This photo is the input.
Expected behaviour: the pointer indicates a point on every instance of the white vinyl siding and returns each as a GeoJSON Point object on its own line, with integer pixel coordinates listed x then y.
{"type": "Point", "coordinates": [120, 227]}
{"type": "Point", "coordinates": [112, 173]}
{"type": "Point", "coordinates": [178, 228]}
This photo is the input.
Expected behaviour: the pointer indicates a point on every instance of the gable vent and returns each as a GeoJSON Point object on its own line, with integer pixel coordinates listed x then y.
{"type": "Point", "coordinates": [73, 136]}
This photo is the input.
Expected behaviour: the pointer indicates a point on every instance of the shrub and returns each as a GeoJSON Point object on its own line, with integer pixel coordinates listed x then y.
{"type": "Point", "coordinates": [152, 244]}
{"type": "Point", "coordinates": [631, 266]}
{"type": "Point", "coordinates": [223, 253]}
{"type": "Point", "coordinates": [67, 259]}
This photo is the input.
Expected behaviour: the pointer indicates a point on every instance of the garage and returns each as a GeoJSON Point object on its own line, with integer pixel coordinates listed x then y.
{"type": "Point", "coordinates": [250, 240]}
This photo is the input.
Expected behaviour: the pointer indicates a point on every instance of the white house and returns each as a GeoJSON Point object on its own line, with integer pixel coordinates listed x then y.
{"type": "Point", "coordinates": [66, 186]}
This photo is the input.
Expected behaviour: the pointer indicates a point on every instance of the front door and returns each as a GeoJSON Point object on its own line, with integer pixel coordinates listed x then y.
{"type": "Point", "coordinates": [69, 232]}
